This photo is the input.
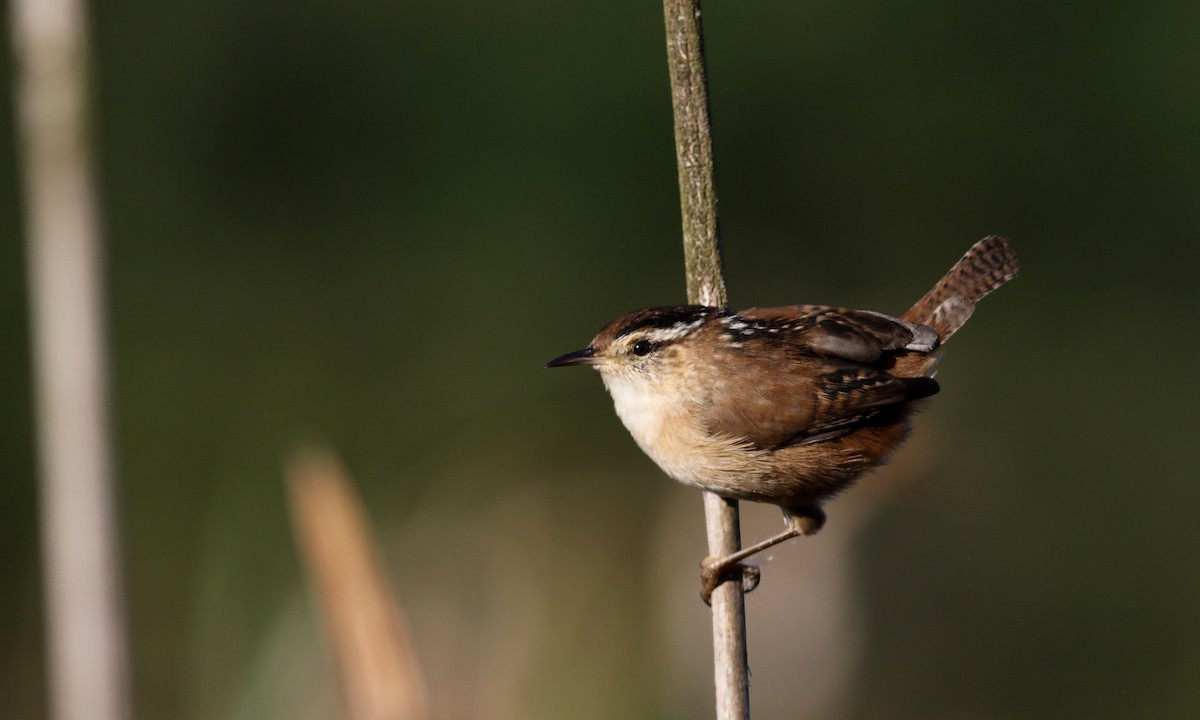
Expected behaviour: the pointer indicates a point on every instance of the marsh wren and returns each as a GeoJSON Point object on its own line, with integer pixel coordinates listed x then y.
{"type": "Point", "coordinates": [782, 405]}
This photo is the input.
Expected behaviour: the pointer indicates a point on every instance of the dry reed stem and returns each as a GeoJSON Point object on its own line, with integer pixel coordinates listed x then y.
{"type": "Point", "coordinates": [87, 663]}
{"type": "Point", "coordinates": [366, 630]}
{"type": "Point", "coordinates": [706, 286]}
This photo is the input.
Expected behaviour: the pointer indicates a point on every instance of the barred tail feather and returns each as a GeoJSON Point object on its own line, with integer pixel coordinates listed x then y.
{"type": "Point", "coordinates": [989, 263]}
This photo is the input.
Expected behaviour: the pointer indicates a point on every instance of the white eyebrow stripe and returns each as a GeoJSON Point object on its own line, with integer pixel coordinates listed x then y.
{"type": "Point", "coordinates": [674, 332]}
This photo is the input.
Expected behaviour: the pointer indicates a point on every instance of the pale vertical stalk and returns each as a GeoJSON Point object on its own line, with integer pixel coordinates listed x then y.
{"type": "Point", "coordinates": [730, 664]}
{"type": "Point", "coordinates": [705, 285]}
{"type": "Point", "coordinates": [85, 630]}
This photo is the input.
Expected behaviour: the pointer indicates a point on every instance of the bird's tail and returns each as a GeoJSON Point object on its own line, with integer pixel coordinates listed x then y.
{"type": "Point", "coordinates": [989, 263]}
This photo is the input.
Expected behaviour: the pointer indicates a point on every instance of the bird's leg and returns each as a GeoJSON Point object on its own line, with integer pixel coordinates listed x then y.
{"type": "Point", "coordinates": [803, 520]}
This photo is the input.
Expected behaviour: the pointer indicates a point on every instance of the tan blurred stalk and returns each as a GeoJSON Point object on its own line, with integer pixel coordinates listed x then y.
{"type": "Point", "coordinates": [366, 630]}
{"type": "Point", "coordinates": [85, 627]}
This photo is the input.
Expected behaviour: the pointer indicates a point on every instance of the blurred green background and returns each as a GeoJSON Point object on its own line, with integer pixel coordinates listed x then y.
{"type": "Point", "coordinates": [374, 222]}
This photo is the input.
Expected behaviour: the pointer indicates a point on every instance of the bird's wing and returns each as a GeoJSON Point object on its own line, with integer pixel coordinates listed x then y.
{"type": "Point", "coordinates": [857, 335]}
{"type": "Point", "coordinates": [814, 373]}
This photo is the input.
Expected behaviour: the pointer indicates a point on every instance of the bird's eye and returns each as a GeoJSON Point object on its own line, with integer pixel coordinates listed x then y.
{"type": "Point", "coordinates": [642, 347]}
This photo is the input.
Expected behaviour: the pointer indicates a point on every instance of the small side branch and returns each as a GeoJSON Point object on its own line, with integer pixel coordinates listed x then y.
{"type": "Point", "coordinates": [706, 286]}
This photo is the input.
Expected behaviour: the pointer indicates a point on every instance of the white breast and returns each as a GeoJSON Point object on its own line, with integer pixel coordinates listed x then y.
{"type": "Point", "coordinates": [643, 411]}
{"type": "Point", "coordinates": [663, 430]}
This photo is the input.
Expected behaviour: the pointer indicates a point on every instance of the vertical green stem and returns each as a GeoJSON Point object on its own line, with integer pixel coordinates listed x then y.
{"type": "Point", "coordinates": [693, 153]}
{"type": "Point", "coordinates": [706, 286]}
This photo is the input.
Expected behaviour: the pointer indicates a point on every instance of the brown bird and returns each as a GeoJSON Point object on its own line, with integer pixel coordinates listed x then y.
{"type": "Point", "coordinates": [783, 405]}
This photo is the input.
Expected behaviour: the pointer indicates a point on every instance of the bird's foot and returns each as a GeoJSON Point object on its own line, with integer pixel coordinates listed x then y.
{"type": "Point", "coordinates": [714, 571]}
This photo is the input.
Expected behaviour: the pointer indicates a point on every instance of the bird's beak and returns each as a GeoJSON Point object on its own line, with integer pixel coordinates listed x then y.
{"type": "Point", "coordinates": [586, 356]}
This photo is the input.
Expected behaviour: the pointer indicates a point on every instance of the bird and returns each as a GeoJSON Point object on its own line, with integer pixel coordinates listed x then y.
{"type": "Point", "coordinates": [783, 405]}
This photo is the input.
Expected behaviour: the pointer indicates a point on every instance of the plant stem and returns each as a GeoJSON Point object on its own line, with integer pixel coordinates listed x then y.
{"type": "Point", "coordinates": [693, 153]}
{"type": "Point", "coordinates": [706, 286]}
{"type": "Point", "coordinates": [87, 666]}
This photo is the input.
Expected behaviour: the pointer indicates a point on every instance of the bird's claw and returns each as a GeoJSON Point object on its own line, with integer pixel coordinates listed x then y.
{"type": "Point", "coordinates": [713, 572]}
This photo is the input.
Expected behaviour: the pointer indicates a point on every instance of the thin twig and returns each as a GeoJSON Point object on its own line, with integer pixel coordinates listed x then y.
{"type": "Point", "coordinates": [706, 286]}
{"type": "Point", "coordinates": [85, 628]}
